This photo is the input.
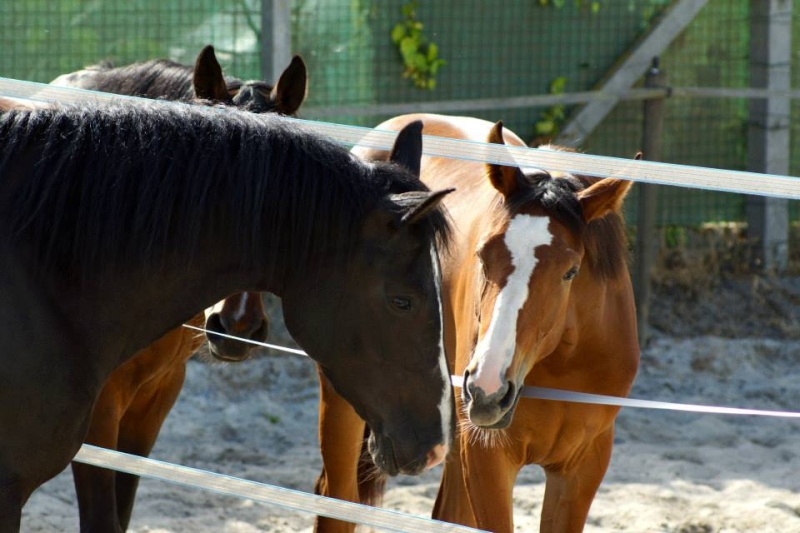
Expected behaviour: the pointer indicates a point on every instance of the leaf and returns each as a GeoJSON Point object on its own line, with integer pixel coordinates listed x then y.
{"type": "Point", "coordinates": [408, 47]}
{"type": "Point", "coordinates": [419, 62]}
{"type": "Point", "coordinates": [544, 127]}
{"type": "Point", "coordinates": [433, 50]}
{"type": "Point", "coordinates": [398, 32]}
{"type": "Point", "coordinates": [558, 85]}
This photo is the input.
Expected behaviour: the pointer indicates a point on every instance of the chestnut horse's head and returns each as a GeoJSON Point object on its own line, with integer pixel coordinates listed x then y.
{"type": "Point", "coordinates": [549, 238]}
{"type": "Point", "coordinates": [241, 315]}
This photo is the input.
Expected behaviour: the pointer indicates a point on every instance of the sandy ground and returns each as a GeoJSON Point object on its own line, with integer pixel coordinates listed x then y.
{"type": "Point", "coordinates": [670, 472]}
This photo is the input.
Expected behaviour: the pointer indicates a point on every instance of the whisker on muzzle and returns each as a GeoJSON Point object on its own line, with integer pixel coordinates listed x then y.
{"type": "Point", "coordinates": [486, 438]}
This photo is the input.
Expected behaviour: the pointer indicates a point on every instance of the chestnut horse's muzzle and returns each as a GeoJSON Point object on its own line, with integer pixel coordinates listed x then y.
{"type": "Point", "coordinates": [232, 350]}
{"type": "Point", "coordinates": [491, 411]}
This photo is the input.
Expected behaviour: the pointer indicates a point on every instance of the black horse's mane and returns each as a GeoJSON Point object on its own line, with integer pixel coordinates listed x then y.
{"type": "Point", "coordinates": [167, 79]}
{"type": "Point", "coordinates": [156, 78]}
{"type": "Point", "coordinates": [90, 184]}
{"type": "Point", "coordinates": [605, 238]}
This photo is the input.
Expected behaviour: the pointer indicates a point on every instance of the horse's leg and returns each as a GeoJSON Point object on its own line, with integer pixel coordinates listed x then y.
{"type": "Point", "coordinates": [341, 434]}
{"type": "Point", "coordinates": [452, 502]}
{"type": "Point", "coordinates": [489, 475]}
{"type": "Point", "coordinates": [568, 494]}
{"type": "Point", "coordinates": [94, 486]}
{"type": "Point", "coordinates": [140, 427]}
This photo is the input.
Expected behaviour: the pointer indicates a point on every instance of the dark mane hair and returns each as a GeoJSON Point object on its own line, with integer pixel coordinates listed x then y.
{"type": "Point", "coordinates": [157, 78]}
{"type": "Point", "coordinates": [605, 239]}
{"type": "Point", "coordinates": [94, 184]}
{"type": "Point", "coordinates": [168, 80]}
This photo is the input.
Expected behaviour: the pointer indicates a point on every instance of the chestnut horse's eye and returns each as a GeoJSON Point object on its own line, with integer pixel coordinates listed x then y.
{"type": "Point", "coordinates": [571, 273]}
{"type": "Point", "coordinates": [401, 304]}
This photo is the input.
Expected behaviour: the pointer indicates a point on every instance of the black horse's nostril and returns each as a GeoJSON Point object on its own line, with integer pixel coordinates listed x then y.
{"type": "Point", "coordinates": [508, 398]}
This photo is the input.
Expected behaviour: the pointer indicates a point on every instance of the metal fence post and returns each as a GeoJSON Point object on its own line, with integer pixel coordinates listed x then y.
{"type": "Point", "coordinates": [646, 237]}
{"type": "Point", "coordinates": [276, 38]}
{"type": "Point", "coordinates": [768, 129]}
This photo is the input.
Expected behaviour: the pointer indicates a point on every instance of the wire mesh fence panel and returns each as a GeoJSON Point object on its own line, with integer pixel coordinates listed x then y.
{"type": "Point", "coordinates": [365, 53]}
{"type": "Point", "coordinates": [41, 40]}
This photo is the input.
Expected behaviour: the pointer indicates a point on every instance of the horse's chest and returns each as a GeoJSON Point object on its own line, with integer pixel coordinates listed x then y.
{"type": "Point", "coordinates": [556, 432]}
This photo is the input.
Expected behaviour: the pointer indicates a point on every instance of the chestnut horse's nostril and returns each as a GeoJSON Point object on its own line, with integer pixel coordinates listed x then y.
{"type": "Point", "coordinates": [214, 324]}
{"type": "Point", "coordinates": [509, 397]}
{"type": "Point", "coordinates": [224, 323]}
{"type": "Point", "coordinates": [465, 387]}
{"type": "Point", "coordinates": [261, 332]}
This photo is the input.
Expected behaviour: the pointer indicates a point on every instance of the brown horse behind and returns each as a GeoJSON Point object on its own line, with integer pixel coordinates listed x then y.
{"type": "Point", "coordinates": [536, 292]}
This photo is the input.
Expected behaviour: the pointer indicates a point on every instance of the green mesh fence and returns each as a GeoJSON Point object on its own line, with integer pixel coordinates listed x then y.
{"type": "Point", "coordinates": [492, 50]}
{"type": "Point", "coordinates": [40, 40]}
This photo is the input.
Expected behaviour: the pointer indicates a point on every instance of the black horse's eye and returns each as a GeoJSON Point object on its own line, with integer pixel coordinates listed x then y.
{"type": "Point", "coordinates": [401, 304]}
{"type": "Point", "coordinates": [571, 273]}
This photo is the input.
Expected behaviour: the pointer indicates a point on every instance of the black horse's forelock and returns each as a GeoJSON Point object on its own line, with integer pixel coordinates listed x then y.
{"type": "Point", "coordinates": [93, 185]}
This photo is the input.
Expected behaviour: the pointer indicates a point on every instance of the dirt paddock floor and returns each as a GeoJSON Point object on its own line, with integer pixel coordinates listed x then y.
{"type": "Point", "coordinates": [735, 343]}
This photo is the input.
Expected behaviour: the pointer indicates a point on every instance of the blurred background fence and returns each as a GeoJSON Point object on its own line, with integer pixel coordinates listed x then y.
{"type": "Point", "coordinates": [490, 49]}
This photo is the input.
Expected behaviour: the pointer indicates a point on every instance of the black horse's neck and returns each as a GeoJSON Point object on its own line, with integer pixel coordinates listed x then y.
{"type": "Point", "coordinates": [162, 210]}
{"type": "Point", "coordinates": [124, 185]}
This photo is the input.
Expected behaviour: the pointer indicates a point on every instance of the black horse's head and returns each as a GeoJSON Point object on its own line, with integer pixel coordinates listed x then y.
{"type": "Point", "coordinates": [383, 351]}
{"type": "Point", "coordinates": [255, 96]}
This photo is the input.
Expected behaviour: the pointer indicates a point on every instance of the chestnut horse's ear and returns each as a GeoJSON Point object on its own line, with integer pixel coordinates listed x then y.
{"type": "Point", "coordinates": [208, 82]}
{"type": "Point", "coordinates": [291, 88]}
{"type": "Point", "coordinates": [604, 197]}
{"type": "Point", "coordinates": [503, 178]}
{"type": "Point", "coordinates": [639, 156]}
{"type": "Point", "coordinates": [407, 149]}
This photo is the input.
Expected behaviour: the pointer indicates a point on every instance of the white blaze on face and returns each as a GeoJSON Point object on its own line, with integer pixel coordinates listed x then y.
{"type": "Point", "coordinates": [439, 452]}
{"type": "Point", "coordinates": [216, 308]}
{"type": "Point", "coordinates": [495, 351]}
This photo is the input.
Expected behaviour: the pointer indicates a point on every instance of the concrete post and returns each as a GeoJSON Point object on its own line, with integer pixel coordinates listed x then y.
{"type": "Point", "coordinates": [768, 128]}
{"type": "Point", "coordinates": [276, 38]}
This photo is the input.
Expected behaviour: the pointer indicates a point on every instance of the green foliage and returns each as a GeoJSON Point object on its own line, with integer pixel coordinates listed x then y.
{"type": "Point", "coordinates": [551, 119]}
{"type": "Point", "coordinates": [674, 237]}
{"type": "Point", "coordinates": [420, 56]}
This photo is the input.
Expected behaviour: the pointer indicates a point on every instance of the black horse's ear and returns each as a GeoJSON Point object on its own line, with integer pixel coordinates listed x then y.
{"type": "Point", "coordinates": [407, 149]}
{"type": "Point", "coordinates": [291, 88]}
{"type": "Point", "coordinates": [208, 82]}
{"type": "Point", "coordinates": [418, 204]}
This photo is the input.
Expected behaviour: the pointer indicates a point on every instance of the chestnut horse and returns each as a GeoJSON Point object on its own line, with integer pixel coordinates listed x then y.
{"type": "Point", "coordinates": [109, 211]}
{"type": "Point", "coordinates": [139, 395]}
{"type": "Point", "coordinates": [536, 292]}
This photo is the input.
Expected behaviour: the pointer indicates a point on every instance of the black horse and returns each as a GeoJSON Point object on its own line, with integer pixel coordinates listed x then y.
{"type": "Point", "coordinates": [139, 395]}
{"type": "Point", "coordinates": [162, 78]}
{"type": "Point", "coordinates": [110, 211]}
